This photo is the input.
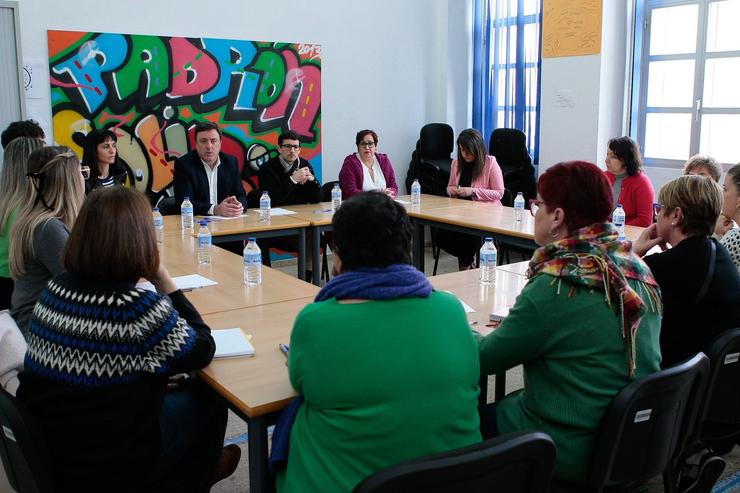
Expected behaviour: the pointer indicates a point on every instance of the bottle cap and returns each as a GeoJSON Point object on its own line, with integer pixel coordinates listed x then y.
{"type": "Point", "coordinates": [488, 238]}
{"type": "Point", "coordinates": [203, 222]}
{"type": "Point", "coordinates": [251, 239]}
{"type": "Point", "coordinates": [619, 205]}
{"type": "Point", "coordinates": [156, 209]}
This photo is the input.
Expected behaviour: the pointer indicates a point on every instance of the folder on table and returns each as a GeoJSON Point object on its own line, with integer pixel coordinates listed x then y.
{"type": "Point", "coordinates": [231, 342]}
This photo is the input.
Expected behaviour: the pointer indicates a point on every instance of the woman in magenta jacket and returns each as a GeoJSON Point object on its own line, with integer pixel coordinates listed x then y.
{"type": "Point", "coordinates": [631, 187]}
{"type": "Point", "coordinates": [474, 175]}
{"type": "Point", "coordinates": [367, 170]}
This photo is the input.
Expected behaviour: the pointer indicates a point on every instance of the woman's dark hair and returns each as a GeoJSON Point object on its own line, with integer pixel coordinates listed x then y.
{"type": "Point", "coordinates": [579, 188]}
{"type": "Point", "coordinates": [627, 151]}
{"type": "Point", "coordinates": [472, 141]}
{"type": "Point", "coordinates": [372, 230]}
{"type": "Point", "coordinates": [113, 238]}
{"type": "Point", "coordinates": [361, 135]}
{"type": "Point", "coordinates": [38, 158]}
{"type": "Point", "coordinates": [90, 151]}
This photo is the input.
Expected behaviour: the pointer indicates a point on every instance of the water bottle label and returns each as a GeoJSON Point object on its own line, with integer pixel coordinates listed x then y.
{"type": "Point", "coordinates": [204, 241]}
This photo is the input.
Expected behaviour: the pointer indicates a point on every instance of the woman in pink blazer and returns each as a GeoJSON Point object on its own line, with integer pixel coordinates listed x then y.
{"type": "Point", "coordinates": [473, 176]}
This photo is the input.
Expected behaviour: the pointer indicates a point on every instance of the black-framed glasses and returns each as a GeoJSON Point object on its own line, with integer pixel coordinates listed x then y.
{"type": "Point", "coordinates": [291, 147]}
{"type": "Point", "coordinates": [85, 170]}
{"type": "Point", "coordinates": [369, 144]}
{"type": "Point", "coordinates": [534, 206]}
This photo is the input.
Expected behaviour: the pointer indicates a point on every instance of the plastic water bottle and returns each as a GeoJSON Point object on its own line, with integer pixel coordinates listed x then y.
{"type": "Point", "coordinates": [186, 214]}
{"type": "Point", "coordinates": [416, 193]}
{"type": "Point", "coordinates": [518, 207]}
{"type": "Point", "coordinates": [336, 197]}
{"type": "Point", "coordinates": [618, 220]}
{"type": "Point", "coordinates": [252, 263]}
{"type": "Point", "coordinates": [265, 207]}
{"type": "Point", "coordinates": [488, 262]}
{"type": "Point", "coordinates": [158, 224]}
{"type": "Point", "coordinates": [204, 243]}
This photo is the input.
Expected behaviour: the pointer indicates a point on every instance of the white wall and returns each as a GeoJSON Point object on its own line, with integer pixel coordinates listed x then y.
{"type": "Point", "coordinates": [384, 63]}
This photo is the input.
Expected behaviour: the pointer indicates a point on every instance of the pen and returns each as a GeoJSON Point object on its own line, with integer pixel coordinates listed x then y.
{"type": "Point", "coordinates": [284, 348]}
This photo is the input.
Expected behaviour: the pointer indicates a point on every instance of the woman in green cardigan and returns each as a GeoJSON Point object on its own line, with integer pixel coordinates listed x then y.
{"type": "Point", "coordinates": [586, 324]}
{"type": "Point", "coordinates": [386, 366]}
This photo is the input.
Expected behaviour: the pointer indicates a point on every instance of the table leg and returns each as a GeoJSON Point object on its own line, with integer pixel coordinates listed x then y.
{"type": "Point", "coordinates": [417, 250]}
{"type": "Point", "coordinates": [316, 255]}
{"type": "Point", "coordinates": [302, 253]}
{"type": "Point", "coordinates": [259, 475]}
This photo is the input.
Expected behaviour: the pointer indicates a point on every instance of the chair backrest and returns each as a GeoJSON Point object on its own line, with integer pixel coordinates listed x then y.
{"type": "Point", "coordinates": [509, 147]}
{"type": "Point", "coordinates": [436, 140]}
{"type": "Point", "coordinates": [429, 179]}
{"type": "Point", "coordinates": [168, 206]}
{"type": "Point", "coordinates": [514, 463]}
{"type": "Point", "coordinates": [722, 400]}
{"type": "Point", "coordinates": [326, 190]}
{"type": "Point", "coordinates": [647, 424]}
{"type": "Point", "coordinates": [21, 449]}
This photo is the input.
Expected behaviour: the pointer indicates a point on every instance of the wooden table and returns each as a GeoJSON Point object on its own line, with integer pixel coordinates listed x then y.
{"type": "Point", "coordinates": [319, 216]}
{"type": "Point", "coordinates": [256, 387]}
{"type": "Point", "coordinates": [248, 226]}
{"type": "Point", "coordinates": [226, 268]}
{"type": "Point", "coordinates": [476, 218]}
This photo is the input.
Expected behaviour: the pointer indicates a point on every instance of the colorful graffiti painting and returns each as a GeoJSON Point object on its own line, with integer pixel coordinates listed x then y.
{"type": "Point", "coordinates": [152, 89]}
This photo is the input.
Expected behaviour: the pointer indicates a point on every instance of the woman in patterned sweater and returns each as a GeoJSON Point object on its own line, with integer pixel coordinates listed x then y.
{"type": "Point", "coordinates": [100, 351]}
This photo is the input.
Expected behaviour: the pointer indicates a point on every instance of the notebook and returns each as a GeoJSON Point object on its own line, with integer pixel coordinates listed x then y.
{"type": "Point", "coordinates": [499, 314]}
{"type": "Point", "coordinates": [231, 342]}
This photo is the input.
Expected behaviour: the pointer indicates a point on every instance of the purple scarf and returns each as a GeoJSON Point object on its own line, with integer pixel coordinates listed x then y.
{"type": "Point", "coordinates": [377, 283]}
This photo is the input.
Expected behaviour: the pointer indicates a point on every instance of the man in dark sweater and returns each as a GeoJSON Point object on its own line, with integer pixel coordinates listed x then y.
{"type": "Point", "coordinates": [289, 179]}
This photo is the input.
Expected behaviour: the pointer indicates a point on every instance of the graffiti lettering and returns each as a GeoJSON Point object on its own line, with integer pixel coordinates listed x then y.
{"type": "Point", "coordinates": [153, 89]}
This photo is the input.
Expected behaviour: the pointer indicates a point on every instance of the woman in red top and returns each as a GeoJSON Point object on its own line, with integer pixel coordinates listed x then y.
{"type": "Point", "coordinates": [631, 187]}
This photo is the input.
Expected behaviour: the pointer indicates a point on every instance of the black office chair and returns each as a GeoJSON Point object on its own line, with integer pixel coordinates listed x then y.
{"type": "Point", "coordinates": [645, 428]}
{"type": "Point", "coordinates": [509, 147]}
{"type": "Point", "coordinates": [718, 426]}
{"type": "Point", "coordinates": [435, 146]}
{"type": "Point", "coordinates": [514, 463]}
{"type": "Point", "coordinates": [21, 449]}
{"type": "Point", "coordinates": [168, 206]}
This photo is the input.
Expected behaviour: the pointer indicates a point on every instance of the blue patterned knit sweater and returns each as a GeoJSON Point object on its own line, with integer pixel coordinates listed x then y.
{"type": "Point", "coordinates": [96, 373]}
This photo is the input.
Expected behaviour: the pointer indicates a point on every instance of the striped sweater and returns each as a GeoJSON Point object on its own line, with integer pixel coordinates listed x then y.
{"type": "Point", "coordinates": [95, 377]}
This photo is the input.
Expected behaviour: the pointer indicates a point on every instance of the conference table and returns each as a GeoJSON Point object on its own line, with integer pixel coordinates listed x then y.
{"type": "Point", "coordinates": [247, 226]}
{"type": "Point", "coordinates": [257, 388]}
{"type": "Point", "coordinates": [475, 218]}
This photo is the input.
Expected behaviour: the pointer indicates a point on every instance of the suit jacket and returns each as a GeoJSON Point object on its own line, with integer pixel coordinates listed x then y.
{"type": "Point", "coordinates": [191, 181]}
{"type": "Point", "coordinates": [276, 181]}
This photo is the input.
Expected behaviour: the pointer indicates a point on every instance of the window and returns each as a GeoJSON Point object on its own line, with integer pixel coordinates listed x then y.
{"type": "Point", "coordinates": [686, 67]}
{"type": "Point", "coordinates": [506, 74]}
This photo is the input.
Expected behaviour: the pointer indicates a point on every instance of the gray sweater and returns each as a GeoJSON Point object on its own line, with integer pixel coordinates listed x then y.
{"type": "Point", "coordinates": [45, 262]}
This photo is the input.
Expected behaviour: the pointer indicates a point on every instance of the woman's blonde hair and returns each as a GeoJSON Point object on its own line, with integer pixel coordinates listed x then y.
{"type": "Point", "coordinates": [16, 188]}
{"type": "Point", "coordinates": [699, 199]}
{"type": "Point", "coordinates": [58, 194]}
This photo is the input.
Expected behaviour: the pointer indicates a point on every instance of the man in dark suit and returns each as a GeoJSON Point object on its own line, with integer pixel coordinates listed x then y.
{"type": "Point", "coordinates": [209, 177]}
{"type": "Point", "coordinates": [288, 178]}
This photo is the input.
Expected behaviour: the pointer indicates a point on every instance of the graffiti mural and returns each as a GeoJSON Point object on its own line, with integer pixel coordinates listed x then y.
{"type": "Point", "coordinates": [151, 90]}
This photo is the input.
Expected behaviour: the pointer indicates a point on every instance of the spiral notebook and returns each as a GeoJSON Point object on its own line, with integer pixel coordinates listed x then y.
{"type": "Point", "coordinates": [231, 342]}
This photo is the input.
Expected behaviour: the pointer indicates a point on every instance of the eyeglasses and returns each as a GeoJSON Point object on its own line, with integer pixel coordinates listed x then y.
{"type": "Point", "coordinates": [368, 144]}
{"type": "Point", "coordinates": [291, 147]}
{"type": "Point", "coordinates": [657, 208]}
{"type": "Point", "coordinates": [85, 170]}
{"type": "Point", "coordinates": [534, 206]}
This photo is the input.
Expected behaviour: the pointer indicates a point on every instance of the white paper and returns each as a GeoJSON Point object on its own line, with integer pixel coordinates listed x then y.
{"type": "Point", "coordinates": [191, 281]}
{"type": "Point", "coordinates": [278, 211]}
{"type": "Point", "coordinates": [231, 342]}
{"type": "Point", "coordinates": [224, 218]}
